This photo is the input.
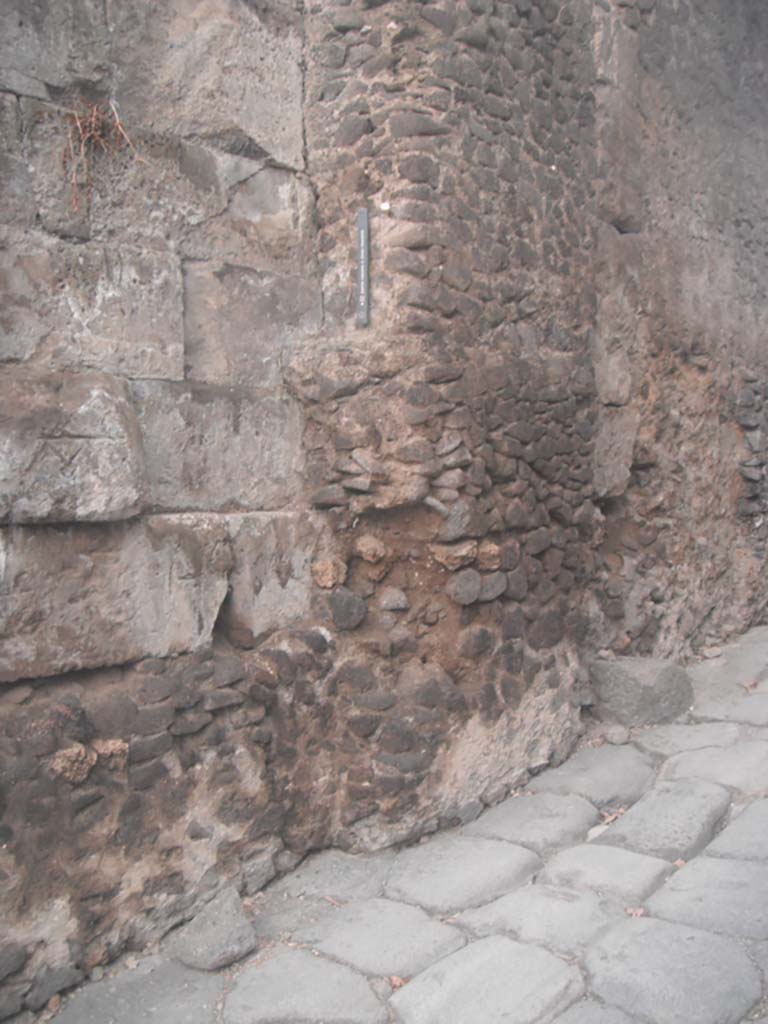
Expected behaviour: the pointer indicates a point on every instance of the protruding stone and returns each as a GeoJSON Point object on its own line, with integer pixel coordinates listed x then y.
{"type": "Point", "coordinates": [220, 935]}
{"type": "Point", "coordinates": [465, 587]}
{"type": "Point", "coordinates": [641, 691]}
{"type": "Point", "coordinates": [347, 608]}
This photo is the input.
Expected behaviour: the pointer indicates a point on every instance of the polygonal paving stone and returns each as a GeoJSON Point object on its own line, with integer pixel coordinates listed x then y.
{"type": "Point", "coordinates": [560, 919]}
{"type": "Point", "coordinates": [156, 990]}
{"type": "Point", "coordinates": [746, 837]}
{"type": "Point", "coordinates": [591, 1012]}
{"type": "Point", "coordinates": [725, 896]}
{"type": "Point", "coordinates": [672, 974]}
{"type": "Point", "coordinates": [453, 872]}
{"type": "Point", "coordinates": [493, 981]}
{"type": "Point", "coordinates": [295, 986]}
{"type": "Point", "coordinates": [219, 935]}
{"type": "Point", "coordinates": [743, 766]}
{"type": "Point", "coordinates": [382, 937]}
{"type": "Point", "coordinates": [667, 740]}
{"type": "Point", "coordinates": [615, 873]}
{"type": "Point", "coordinates": [540, 822]}
{"type": "Point", "coordinates": [751, 710]}
{"type": "Point", "coordinates": [607, 776]}
{"type": "Point", "coordinates": [672, 820]}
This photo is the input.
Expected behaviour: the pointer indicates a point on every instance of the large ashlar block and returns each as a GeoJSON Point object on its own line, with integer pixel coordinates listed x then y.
{"type": "Point", "coordinates": [219, 449]}
{"type": "Point", "coordinates": [85, 596]}
{"type": "Point", "coordinates": [70, 448]}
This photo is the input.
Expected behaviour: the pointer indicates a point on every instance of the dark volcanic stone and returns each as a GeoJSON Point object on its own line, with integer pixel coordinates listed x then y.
{"type": "Point", "coordinates": [12, 959]}
{"type": "Point", "coordinates": [348, 609]}
{"type": "Point", "coordinates": [465, 586]}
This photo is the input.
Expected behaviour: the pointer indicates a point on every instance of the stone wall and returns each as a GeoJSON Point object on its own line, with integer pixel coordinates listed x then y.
{"type": "Point", "coordinates": [273, 582]}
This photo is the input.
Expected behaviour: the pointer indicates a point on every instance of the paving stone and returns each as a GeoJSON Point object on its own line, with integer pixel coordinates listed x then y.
{"type": "Point", "coordinates": [746, 837]}
{"type": "Point", "coordinates": [344, 876]}
{"type": "Point", "coordinates": [591, 1012]}
{"type": "Point", "coordinates": [563, 920]}
{"type": "Point", "coordinates": [751, 710]}
{"type": "Point", "coordinates": [607, 776]}
{"type": "Point", "coordinates": [674, 819]}
{"type": "Point", "coordinates": [493, 981]}
{"type": "Point", "coordinates": [640, 691]}
{"type": "Point", "coordinates": [293, 985]}
{"type": "Point", "coordinates": [672, 974]}
{"type": "Point", "coordinates": [615, 873]}
{"type": "Point", "coordinates": [667, 740]}
{"type": "Point", "coordinates": [382, 937]}
{"type": "Point", "coordinates": [725, 896]}
{"type": "Point", "coordinates": [454, 872]}
{"type": "Point", "coordinates": [744, 766]}
{"type": "Point", "coordinates": [539, 823]}
{"type": "Point", "coordinates": [217, 937]}
{"type": "Point", "coordinates": [156, 990]}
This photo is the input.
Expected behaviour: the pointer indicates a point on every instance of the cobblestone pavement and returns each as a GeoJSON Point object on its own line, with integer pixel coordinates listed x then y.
{"type": "Point", "coordinates": [627, 886]}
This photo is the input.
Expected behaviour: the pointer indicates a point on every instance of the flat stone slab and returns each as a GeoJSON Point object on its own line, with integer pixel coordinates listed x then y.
{"type": "Point", "coordinates": [640, 691]}
{"type": "Point", "coordinates": [591, 1012]}
{"type": "Point", "coordinates": [746, 837]}
{"type": "Point", "coordinates": [725, 896]}
{"type": "Point", "coordinates": [751, 710]}
{"type": "Point", "coordinates": [667, 740]}
{"type": "Point", "coordinates": [343, 876]}
{"type": "Point", "coordinates": [743, 766]}
{"type": "Point", "coordinates": [541, 822]}
{"type": "Point", "coordinates": [608, 870]}
{"type": "Point", "coordinates": [672, 974]}
{"type": "Point", "coordinates": [563, 920]}
{"type": "Point", "coordinates": [453, 872]}
{"type": "Point", "coordinates": [381, 937]}
{"type": "Point", "coordinates": [493, 981]}
{"type": "Point", "coordinates": [607, 776]}
{"type": "Point", "coordinates": [673, 820]}
{"type": "Point", "coordinates": [156, 990]}
{"type": "Point", "coordinates": [217, 937]}
{"type": "Point", "coordinates": [293, 987]}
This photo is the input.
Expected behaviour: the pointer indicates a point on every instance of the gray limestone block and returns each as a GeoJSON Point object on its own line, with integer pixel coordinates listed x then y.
{"type": "Point", "coordinates": [672, 974]}
{"type": "Point", "coordinates": [673, 820]}
{"type": "Point", "coordinates": [563, 920]}
{"type": "Point", "coordinates": [746, 837]}
{"type": "Point", "coordinates": [156, 990]}
{"type": "Point", "coordinates": [381, 937]}
{"type": "Point", "coordinates": [540, 822]}
{"type": "Point", "coordinates": [494, 980]}
{"type": "Point", "coordinates": [614, 873]}
{"type": "Point", "coordinates": [218, 936]}
{"type": "Point", "coordinates": [719, 895]}
{"type": "Point", "coordinates": [640, 691]}
{"type": "Point", "coordinates": [293, 986]}
{"type": "Point", "coordinates": [452, 872]}
{"type": "Point", "coordinates": [742, 766]}
{"type": "Point", "coordinates": [606, 776]}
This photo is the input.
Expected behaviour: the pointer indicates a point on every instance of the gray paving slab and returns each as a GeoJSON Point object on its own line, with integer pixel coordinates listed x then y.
{"type": "Point", "coordinates": [540, 822]}
{"type": "Point", "coordinates": [749, 710]}
{"type": "Point", "coordinates": [219, 935]}
{"type": "Point", "coordinates": [454, 872]}
{"type": "Point", "coordinates": [381, 937]}
{"type": "Point", "coordinates": [746, 837]}
{"type": "Point", "coordinates": [673, 820]}
{"type": "Point", "coordinates": [743, 766]}
{"type": "Point", "coordinates": [607, 776]}
{"type": "Point", "coordinates": [295, 987]}
{"type": "Point", "coordinates": [563, 920]}
{"type": "Point", "coordinates": [673, 974]}
{"type": "Point", "coordinates": [718, 683]}
{"type": "Point", "coordinates": [155, 990]}
{"type": "Point", "coordinates": [725, 896]}
{"type": "Point", "coordinates": [617, 874]}
{"type": "Point", "coordinates": [589, 1011]}
{"type": "Point", "coordinates": [493, 981]}
{"type": "Point", "coordinates": [342, 876]}
{"type": "Point", "coordinates": [666, 740]}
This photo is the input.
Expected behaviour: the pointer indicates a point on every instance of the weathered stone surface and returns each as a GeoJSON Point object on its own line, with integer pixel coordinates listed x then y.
{"type": "Point", "coordinates": [49, 983]}
{"type": "Point", "coordinates": [673, 974]}
{"type": "Point", "coordinates": [347, 608]}
{"type": "Point", "coordinates": [667, 740]}
{"type": "Point", "coordinates": [606, 776]}
{"type": "Point", "coordinates": [640, 691]}
{"type": "Point", "coordinates": [617, 874]}
{"type": "Point", "coordinates": [218, 449]}
{"type": "Point", "coordinates": [156, 989]}
{"type": "Point", "coordinates": [743, 766]}
{"type": "Point", "coordinates": [563, 920]}
{"type": "Point", "coordinates": [465, 586]}
{"type": "Point", "coordinates": [474, 984]}
{"type": "Point", "coordinates": [746, 837]}
{"type": "Point", "coordinates": [93, 595]}
{"type": "Point", "coordinates": [442, 875]}
{"type": "Point", "coordinates": [591, 1012]}
{"type": "Point", "coordinates": [339, 875]}
{"type": "Point", "coordinates": [539, 823]}
{"type": "Point", "coordinates": [613, 449]}
{"type": "Point", "coordinates": [729, 897]}
{"type": "Point", "coordinates": [381, 937]}
{"type": "Point", "coordinates": [217, 937]}
{"type": "Point", "coordinates": [70, 448]}
{"type": "Point", "coordinates": [13, 956]}
{"type": "Point", "coordinates": [674, 820]}
{"type": "Point", "coordinates": [293, 986]}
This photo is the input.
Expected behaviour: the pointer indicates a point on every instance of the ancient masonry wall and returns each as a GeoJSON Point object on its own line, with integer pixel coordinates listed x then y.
{"type": "Point", "coordinates": [271, 582]}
